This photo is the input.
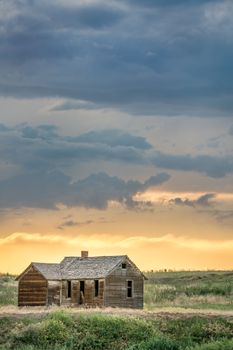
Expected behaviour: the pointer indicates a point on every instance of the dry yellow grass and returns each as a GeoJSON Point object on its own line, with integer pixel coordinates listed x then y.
{"type": "Point", "coordinates": [165, 311]}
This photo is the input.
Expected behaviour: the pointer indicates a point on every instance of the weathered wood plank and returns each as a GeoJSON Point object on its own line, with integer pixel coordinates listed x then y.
{"type": "Point", "coordinates": [32, 289]}
{"type": "Point", "coordinates": [116, 287]}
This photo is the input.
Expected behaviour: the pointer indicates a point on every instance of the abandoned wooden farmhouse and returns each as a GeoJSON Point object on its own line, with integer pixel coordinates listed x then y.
{"type": "Point", "coordinates": [113, 281]}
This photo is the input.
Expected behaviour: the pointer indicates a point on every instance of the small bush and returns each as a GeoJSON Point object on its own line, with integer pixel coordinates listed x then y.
{"type": "Point", "coordinates": [62, 316]}
{"type": "Point", "coordinates": [157, 344]}
{"type": "Point", "coordinates": [196, 329]}
{"type": "Point", "coordinates": [43, 334]}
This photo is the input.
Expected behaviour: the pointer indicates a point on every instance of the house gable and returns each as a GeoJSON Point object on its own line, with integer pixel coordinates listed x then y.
{"type": "Point", "coordinates": [27, 270]}
{"type": "Point", "coordinates": [32, 288]}
{"type": "Point", "coordinates": [124, 277]}
{"type": "Point", "coordinates": [129, 263]}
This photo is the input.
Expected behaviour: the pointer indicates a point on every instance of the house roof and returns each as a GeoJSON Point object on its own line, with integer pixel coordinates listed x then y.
{"type": "Point", "coordinates": [49, 271]}
{"type": "Point", "coordinates": [93, 267]}
{"type": "Point", "coordinates": [80, 268]}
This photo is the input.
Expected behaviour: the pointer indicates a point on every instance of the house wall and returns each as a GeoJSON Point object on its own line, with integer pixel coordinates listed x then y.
{"type": "Point", "coordinates": [89, 299]}
{"type": "Point", "coordinates": [32, 289]}
{"type": "Point", "coordinates": [54, 288]}
{"type": "Point", "coordinates": [116, 287]}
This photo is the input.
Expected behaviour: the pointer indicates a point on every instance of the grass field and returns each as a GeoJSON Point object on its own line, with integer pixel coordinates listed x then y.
{"type": "Point", "coordinates": [32, 329]}
{"type": "Point", "coordinates": [194, 289]}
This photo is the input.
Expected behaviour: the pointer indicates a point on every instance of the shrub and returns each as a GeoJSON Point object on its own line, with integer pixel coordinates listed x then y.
{"type": "Point", "coordinates": [157, 344]}
{"type": "Point", "coordinates": [42, 335]}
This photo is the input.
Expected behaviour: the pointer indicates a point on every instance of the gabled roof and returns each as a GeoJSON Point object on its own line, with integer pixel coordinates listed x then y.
{"type": "Point", "coordinates": [49, 271]}
{"type": "Point", "coordinates": [80, 268]}
{"type": "Point", "coordinates": [93, 267]}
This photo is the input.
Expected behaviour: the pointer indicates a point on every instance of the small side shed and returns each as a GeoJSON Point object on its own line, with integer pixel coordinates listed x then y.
{"type": "Point", "coordinates": [113, 281]}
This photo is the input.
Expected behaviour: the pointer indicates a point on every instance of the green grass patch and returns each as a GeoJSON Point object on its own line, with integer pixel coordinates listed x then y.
{"type": "Point", "coordinates": [218, 345]}
{"type": "Point", "coordinates": [190, 289]}
{"type": "Point", "coordinates": [67, 331]}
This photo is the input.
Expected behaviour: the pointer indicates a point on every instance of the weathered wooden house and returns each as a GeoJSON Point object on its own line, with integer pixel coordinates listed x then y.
{"type": "Point", "coordinates": [113, 281]}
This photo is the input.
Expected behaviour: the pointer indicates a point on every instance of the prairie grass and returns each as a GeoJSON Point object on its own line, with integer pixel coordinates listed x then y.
{"type": "Point", "coordinates": [8, 290]}
{"type": "Point", "coordinates": [190, 289]}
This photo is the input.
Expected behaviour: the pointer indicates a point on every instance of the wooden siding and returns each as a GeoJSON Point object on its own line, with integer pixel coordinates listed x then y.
{"type": "Point", "coordinates": [89, 299]}
{"type": "Point", "coordinates": [54, 288]}
{"type": "Point", "coordinates": [116, 287]}
{"type": "Point", "coordinates": [32, 290]}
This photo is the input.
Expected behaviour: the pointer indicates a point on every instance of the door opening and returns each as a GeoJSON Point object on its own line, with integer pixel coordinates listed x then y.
{"type": "Point", "coordinates": [82, 292]}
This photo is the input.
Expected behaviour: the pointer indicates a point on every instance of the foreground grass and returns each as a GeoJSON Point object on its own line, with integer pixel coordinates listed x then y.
{"type": "Point", "coordinates": [194, 289]}
{"type": "Point", "coordinates": [67, 331]}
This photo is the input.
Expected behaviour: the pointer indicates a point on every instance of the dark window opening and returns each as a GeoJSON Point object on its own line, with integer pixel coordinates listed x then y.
{"type": "Point", "coordinates": [123, 266]}
{"type": "Point", "coordinates": [96, 288]}
{"type": "Point", "coordinates": [82, 286]}
{"type": "Point", "coordinates": [82, 292]}
{"type": "Point", "coordinates": [129, 289]}
{"type": "Point", "coordinates": [68, 289]}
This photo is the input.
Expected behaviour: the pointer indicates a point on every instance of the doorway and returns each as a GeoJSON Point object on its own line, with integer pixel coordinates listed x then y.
{"type": "Point", "coordinates": [82, 292]}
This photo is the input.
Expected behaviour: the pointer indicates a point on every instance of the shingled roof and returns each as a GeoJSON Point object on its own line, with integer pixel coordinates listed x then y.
{"type": "Point", "coordinates": [49, 271]}
{"type": "Point", "coordinates": [79, 268]}
{"type": "Point", "coordinates": [89, 268]}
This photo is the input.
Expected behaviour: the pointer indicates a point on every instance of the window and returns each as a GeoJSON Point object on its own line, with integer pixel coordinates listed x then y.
{"type": "Point", "coordinates": [96, 288]}
{"type": "Point", "coordinates": [68, 289]}
{"type": "Point", "coordinates": [123, 266]}
{"type": "Point", "coordinates": [129, 289]}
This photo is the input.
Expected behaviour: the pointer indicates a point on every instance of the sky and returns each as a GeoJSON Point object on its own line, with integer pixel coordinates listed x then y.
{"type": "Point", "coordinates": [116, 132]}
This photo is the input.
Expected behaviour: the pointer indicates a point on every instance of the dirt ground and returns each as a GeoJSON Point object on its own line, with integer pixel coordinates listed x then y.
{"type": "Point", "coordinates": [15, 312]}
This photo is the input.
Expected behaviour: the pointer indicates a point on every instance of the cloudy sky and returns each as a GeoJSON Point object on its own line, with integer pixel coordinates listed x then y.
{"type": "Point", "coordinates": [116, 131]}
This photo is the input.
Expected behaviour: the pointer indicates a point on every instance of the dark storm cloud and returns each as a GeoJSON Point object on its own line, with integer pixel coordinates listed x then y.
{"type": "Point", "coordinates": [213, 166]}
{"type": "Point", "coordinates": [42, 156]}
{"type": "Point", "coordinates": [42, 148]}
{"type": "Point", "coordinates": [46, 190]}
{"type": "Point", "coordinates": [166, 58]}
{"type": "Point", "coordinates": [113, 138]}
{"type": "Point", "coordinates": [3, 128]}
{"type": "Point", "coordinates": [167, 3]}
{"type": "Point", "coordinates": [204, 201]}
{"type": "Point", "coordinates": [97, 189]}
{"type": "Point", "coordinates": [45, 132]}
